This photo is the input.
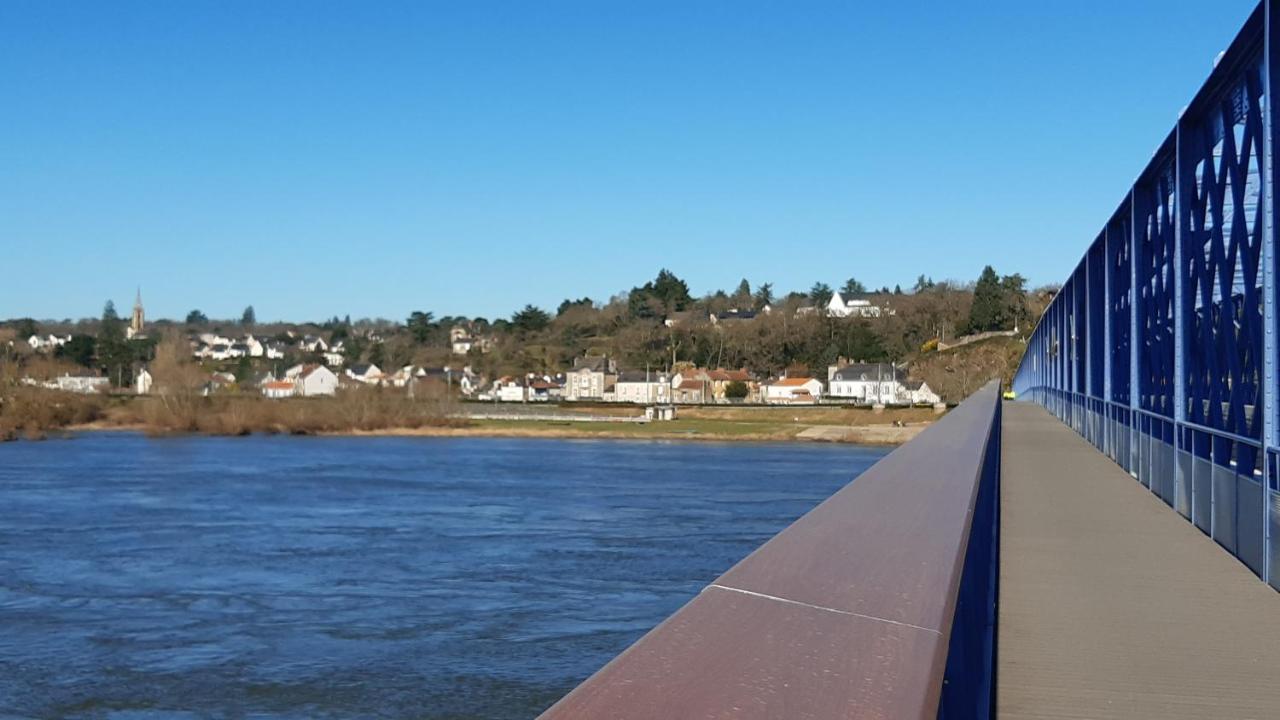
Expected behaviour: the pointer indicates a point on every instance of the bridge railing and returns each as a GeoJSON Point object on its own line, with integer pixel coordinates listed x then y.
{"type": "Point", "coordinates": [880, 602]}
{"type": "Point", "coordinates": [1161, 347]}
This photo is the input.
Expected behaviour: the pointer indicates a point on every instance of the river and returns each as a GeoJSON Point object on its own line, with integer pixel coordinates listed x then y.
{"type": "Point", "coordinates": [286, 577]}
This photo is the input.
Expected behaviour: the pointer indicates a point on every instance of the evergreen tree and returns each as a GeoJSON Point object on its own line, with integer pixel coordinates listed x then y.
{"type": "Point", "coordinates": [195, 317]}
{"type": "Point", "coordinates": [663, 295]}
{"type": "Point", "coordinates": [114, 354]}
{"type": "Point", "coordinates": [853, 287]}
{"type": "Point", "coordinates": [421, 326]}
{"type": "Point", "coordinates": [80, 349]}
{"type": "Point", "coordinates": [988, 302]}
{"type": "Point", "coordinates": [531, 319]}
{"type": "Point", "coordinates": [248, 318]}
{"type": "Point", "coordinates": [820, 294]}
{"type": "Point", "coordinates": [742, 296]}
{"type": "Point", "coordinates": [112, 328]}
{"type": "Point", "coordinates": [26, 327]}
{"type": "Point", "coordinates": [764, 295]}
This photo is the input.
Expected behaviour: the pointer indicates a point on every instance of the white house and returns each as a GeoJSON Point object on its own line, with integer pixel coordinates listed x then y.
{"type": "Point", "coordinates": [792, 391]}
{"type": "Point", "coordinates": [643, 387]}
{"type": "Point", "coordinates": [313, 344]}
{"type": "Point", "coordinates": [591, 378]}
{"type": "Point", "coordinates": [47, 343]}
{"type": "Point", "coordinates": [866, 383]}
{"type": "Point", "coordinates": [81, 383]}
{"type": "Point", "coordinates": [142, 383]}
{"type": "Point", "coordinates": [333, 359]}
{"type": "Point", "coordinates": [918, 392]}
{"type": "Point", "coordinates": [846, 305]}
{"type": "Point", "coordinates": [469, 383]}
{"type": "Point", "coordinates": [367, 373]}
{"type": "Point", "coordinates": [316, 380]}
{"type": "Point", "coordinates": [277, 389]}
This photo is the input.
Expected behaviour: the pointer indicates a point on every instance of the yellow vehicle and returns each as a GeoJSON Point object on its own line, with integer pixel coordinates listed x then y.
{"type": "Point", "coordinates": [1008, 395]}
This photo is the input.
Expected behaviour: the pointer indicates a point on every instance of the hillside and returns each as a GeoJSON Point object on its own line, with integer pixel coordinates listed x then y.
{"type": "Point", "coordinates": [957, 372]}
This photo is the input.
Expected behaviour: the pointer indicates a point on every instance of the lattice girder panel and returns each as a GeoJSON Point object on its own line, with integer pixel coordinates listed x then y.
{"type": "Point", "coordinates": [1097, 344]}
{"type": "Point", "coordinates": [1120, 280]}
{"type": "Point", "coordinates": [1080, 323]}
{"type": "Point", "coordinates": [1222, 249]}
{"type": "Point", "coordinates": [1153, 199]}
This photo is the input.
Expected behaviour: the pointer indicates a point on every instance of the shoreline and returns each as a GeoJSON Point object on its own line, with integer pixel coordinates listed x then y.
{"type": "Point", "coordinates": [871, 435]}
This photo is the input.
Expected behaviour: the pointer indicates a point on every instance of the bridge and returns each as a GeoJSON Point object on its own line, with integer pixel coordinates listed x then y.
{"type": "Point", "coordinates": [1105, 546]}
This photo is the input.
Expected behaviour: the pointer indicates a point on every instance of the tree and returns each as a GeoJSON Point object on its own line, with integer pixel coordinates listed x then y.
{"type": "Point", "coordinates": [742, 296]}
{"type": "Point", "coordinates": [664, 294]}
{"type": "Point", "coordinates": [820, 294]}
{"type": "Point", "coordinates": [114, 354]}
{"type": "Point", "coordinates": [897, 289]}
{"type": "Point", "coordinates": [80, 349]}
{"type": "Point", "coordinates": [531, 319]}
{"type": "Point", "coordinates": [923, 284]}
{"type": "Point", "coordinates": [195, 317]}
{"type": "Point", "coordinates": [421, 325]}
{"type": "Point", "coordinates": [26, 327]}
{"type": "Point", "coordinates": [567, 305]}
{"type": "Point", "coordinates": [764, 295]}
{"type": "Point", "coordinates": [111, 328]}
{"type": "Point", "coordinates": [736, 390]}
{"type": "Point", "coordinates": [1014, 312]}
{"type": "Point", "coordinates": [248, 318]}
{"type": "Point", "coordinates": [378, 355]}
{"type": "Point", "coordinates": [988, 302]}
{"type": "Point", "coordinates": [244, 369]}
{"type": "Point", "coordinates": [671, 290]}
{"type": "Point", "coordinates": [853, 287]}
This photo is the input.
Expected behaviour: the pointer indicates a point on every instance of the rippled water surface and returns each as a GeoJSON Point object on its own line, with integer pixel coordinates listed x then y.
{"type": "Point", "coordinates": [278, 577]}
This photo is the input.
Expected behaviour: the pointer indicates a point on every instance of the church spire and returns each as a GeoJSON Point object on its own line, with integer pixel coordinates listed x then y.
{"type": "Point", "coordinates": [138, 320]}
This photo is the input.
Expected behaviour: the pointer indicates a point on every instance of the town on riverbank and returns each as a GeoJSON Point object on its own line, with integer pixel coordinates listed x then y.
{"type": "Point", "coordinates": [850, 365]}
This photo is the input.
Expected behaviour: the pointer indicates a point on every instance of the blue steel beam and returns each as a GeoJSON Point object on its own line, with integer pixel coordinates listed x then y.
{"type": "Point", "coordinates": [1166, 335]}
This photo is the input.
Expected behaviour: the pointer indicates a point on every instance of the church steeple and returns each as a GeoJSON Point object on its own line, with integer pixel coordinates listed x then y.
{"type": "Point", "coordinates": [139, 318]}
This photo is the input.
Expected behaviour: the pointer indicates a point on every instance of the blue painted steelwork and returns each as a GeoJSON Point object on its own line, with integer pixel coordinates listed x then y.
{"type": "Point", "coordinates": [1161, 347]}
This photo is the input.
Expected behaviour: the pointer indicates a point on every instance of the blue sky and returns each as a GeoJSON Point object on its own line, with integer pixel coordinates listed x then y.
{"type": "Point", "coordinates": [371, 159]}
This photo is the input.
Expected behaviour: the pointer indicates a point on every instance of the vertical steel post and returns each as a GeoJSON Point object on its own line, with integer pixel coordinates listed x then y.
{"type": "Point", "coordinates": [1182, 217]}
{"type": "Point", "coordinates": [1135, 386]}
{"type": "Point", "coordinates": [1086, 417]}
{"type": "Point", "coordinates": [1269, 340]}
{"type": "Point", "coordinates": [1108, 440]}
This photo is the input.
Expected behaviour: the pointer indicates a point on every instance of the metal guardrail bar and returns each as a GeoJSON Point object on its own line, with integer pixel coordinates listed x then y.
{"type": "Point", "coordinates": [862, 607]}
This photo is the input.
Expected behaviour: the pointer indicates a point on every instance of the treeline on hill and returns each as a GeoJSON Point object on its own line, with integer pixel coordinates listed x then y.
{"type": "Point", "coordinates": [659, 325]}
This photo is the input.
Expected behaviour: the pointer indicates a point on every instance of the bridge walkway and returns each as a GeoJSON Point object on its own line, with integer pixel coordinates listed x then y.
{"type": "Point", "coordinates": [1111, 605]}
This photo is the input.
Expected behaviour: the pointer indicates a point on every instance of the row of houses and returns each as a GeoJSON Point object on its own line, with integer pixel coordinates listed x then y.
{"type": "Point", "coordinates": [308, 380]}
{"type": "Point", "coordinates": [597, 378]}
{"type": "Point", "coordinates": [840, 305]}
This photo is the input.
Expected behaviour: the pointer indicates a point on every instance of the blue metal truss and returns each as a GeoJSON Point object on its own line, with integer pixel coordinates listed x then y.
{"type": "Point", "coordinates": [1161, 348]}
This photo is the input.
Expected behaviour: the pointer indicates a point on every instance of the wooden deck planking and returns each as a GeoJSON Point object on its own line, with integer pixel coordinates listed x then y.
{"type": "Point", "coordinates": [1111, 604]}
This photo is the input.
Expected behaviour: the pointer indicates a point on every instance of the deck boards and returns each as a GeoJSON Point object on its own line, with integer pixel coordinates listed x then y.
{"type": "Point", "coordinates": [1111, 604]}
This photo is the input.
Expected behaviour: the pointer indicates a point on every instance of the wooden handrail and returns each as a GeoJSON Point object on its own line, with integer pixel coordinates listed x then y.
{"type": "Point", "coordinates": [846, 613]}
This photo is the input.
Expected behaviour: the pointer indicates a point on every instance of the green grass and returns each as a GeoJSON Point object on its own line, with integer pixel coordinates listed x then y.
{"type": "Point", "coordinates": [694, 427]}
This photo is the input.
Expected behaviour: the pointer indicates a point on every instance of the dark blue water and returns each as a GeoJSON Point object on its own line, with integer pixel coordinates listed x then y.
{"type": "Point", "coordinates": [277, 577]}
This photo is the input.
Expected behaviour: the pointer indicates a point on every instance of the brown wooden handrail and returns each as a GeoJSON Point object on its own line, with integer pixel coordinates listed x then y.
{"type": "Point", "coordinates": [847, 613]}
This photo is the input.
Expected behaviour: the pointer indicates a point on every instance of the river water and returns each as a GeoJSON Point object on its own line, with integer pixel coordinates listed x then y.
{"type": "Point", "coordinates": [428, 578]}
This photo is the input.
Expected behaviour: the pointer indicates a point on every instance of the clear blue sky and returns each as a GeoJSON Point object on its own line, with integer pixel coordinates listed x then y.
{"type": "Point", "coordinates": [373, 158]}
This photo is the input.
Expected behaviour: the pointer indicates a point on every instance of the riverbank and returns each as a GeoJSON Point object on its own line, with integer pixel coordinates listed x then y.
{"type": "Point", "coordinates": [711, 431]}
{"type": "Point", "coordinates": [373, 413]}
